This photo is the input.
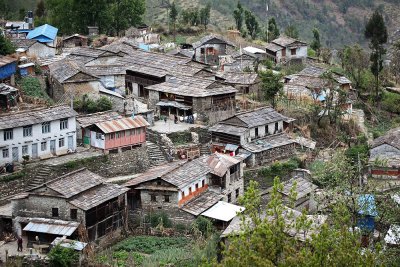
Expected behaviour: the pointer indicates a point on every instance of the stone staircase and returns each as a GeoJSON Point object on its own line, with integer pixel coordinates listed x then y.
{"type": "Point", "coordinates": [41, 176]}
{"type": "Point", "coordinates": [155, 154]}
{"type": "Point", "coordinates": [205, 149]}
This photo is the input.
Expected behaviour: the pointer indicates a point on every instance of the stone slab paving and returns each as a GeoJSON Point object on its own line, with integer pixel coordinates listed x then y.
{"type": "Point", "coordinates": [171, 127]}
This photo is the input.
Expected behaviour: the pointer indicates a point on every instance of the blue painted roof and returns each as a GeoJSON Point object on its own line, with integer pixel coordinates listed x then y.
{"type": "Point", "coordinates": [45, 33]}
{"type": "Point", "coordinates": [367, 205]}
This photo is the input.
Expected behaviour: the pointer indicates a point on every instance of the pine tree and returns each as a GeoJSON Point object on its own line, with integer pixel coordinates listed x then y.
{"type": "Point", "coordinates": [173, 16]}
{"type": "Point", "coordinates": [251, 23]}
{"type": "Point", "coordinates": [316, 43]}
{"type": "Point", "coordinates": [238, 16]}
{"type": "Point", "coordinates": [376, 31]}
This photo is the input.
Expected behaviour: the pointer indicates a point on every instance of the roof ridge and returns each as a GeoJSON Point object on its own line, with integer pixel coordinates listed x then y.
{"type": "Point", "coordinates": [31, 110]}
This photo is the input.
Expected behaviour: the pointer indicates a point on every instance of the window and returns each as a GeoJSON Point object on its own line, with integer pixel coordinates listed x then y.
{"type": "Point", "coordinates": [6, 153]}
{"type": "Point", "coordinates": [139, 131]}
{"type": "Point", "coordinates": [118, 135]}
{"type": "Point", "coordinates": [237, 193]}
{"type": "Point", "coordinates": [293, 51]}
{"type": "Point", "coordinates": [63, 124]}
{"type": "Point", "coordinates": [166, 198]}
{"type": "Point", "coordinates": [112, 135]}
{"type": "Point", "coordinates": [203, 183]}
{"type": "Point", "coordinates": [122, 134]}
{"type": "Point", "coordinates": [128, 133]}
{"type": "Point", "coordinates": [190, 190]}
{"type": "Point", "coordinates": [43, 146]}
{"type": "Point", "coordinates": [46, 127]}
{"type": "Point", "coordinates": [27, 130]}
{"type": "Point", "coordinates": [256, 132]}
{"type": "Point", "coordinates": [54, 212]}
{"type": "Point", "coordinates": [153, 198]}
{"type": "Point", "coordinates": [266, 130]}
{"type": "Point", "coordinates": [74, 214]}
{"type": "Point", "coordinates": [276, 127]}
{"type": "Point", "coordinates": [158, 182]}
{"type": "Point", "coordinates": [141, 90]}
{"type": "Point", "coordinates": [61, 142]}
{"type": "Point", "coordinates": [229, 198]}
{"type": "Point", "coordinates": [98, 136]}
{"type": "Point", "coordinates": [183, 194]}
{"type": "Point", "coordinates": [197, 186]}
{"type": "Point", "coordinates": [24, 150]}
{"type": "Point", "coordinates": [8, 134]}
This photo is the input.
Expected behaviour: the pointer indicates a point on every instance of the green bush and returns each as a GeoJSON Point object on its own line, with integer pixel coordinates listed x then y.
{"type": "Point", "coordinates": [151, 244]}
{"type": "Point", "coordinates": [12, 177]}
{"type": "Point", "coordinates": [31, 87]}
{"type": "Point", "coordinates": [125, 258]}
{"type": "Point", "coordinates": [391, 102]}
{"type": "Point", "coordinates": [279, 169]}
{"type": "Point", "coordinates": [88, 105]}
{"type": "Point", "coordinates": [63, 257]}
{"type": "Point", "coordinates": [156, 218]}
{"type": "Point", "coordinates": [202, 225]}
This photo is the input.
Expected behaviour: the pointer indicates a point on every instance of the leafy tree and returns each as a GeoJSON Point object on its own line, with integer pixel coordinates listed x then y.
{"type": "Point", "coordinates": [376, 31]}
{"type": "Point", "coordinates": [272, 31]}
{"type": "Point", "coordinates": [40, 9]}
{"type": "Point", "coordinates": [251, 23]}
{"type": "Point", "coordinates": [264, 240]}
{"type": "Point", "coordinates": [62, 257]}
{"type": "Point", "coordinates": [6, 47]}
{"type": "Point", "coordinates": [125, 13]}
{"type": "Point", "coordinates": [292, 32]}
{"type": "Point", "coordinates": [238, 16]}
{"type": "Point", "coordinates": [271, 85]}
{"type": "Point", "coordinates": [316, 43]}
{"type": "Point", "coordinates": [173, 16]}
{"type": "Point", "coordinates": [205, 15]}
{"type": "Point", "coordinates": [355, 61]}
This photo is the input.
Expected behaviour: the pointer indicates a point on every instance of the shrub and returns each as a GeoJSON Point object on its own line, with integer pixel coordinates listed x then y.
{"type": "Point", "coordinates": [63, 257]}
{"type": "Point", "coordinates": [279, 169]}
{"type": "Point", "coordinates": [31, 87]}
{"type": "Point", "coordinates": [125, 258]}
{"type": "Point", "coordinates": [156, 218]}
{"type": "Point", "coordinates": [88, 105]}
{"type": "Point", "coordinates": [391, 102]}
{"type": "Point", "coordinates": [202, 225]}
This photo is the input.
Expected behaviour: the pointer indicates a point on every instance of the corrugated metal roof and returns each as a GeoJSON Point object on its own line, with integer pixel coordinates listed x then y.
{"type": "Point", "coordinates": [122, 124]}
{"type": "Point", "coordinates": [223, 211]}
{"type": "Point", "coordinates": [47, 31]}
{"type": "Point", "coordinates": [49, 226]}
{"type": "Point", "coordinates": [90, 119]}
{"type": "Point", "coordinates": [68, 243]}
{"type": "Point", "coordinates": [220, 163]}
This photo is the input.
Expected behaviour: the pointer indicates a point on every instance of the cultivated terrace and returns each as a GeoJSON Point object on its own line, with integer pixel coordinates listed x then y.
{"type": "Point", "coordinates": [134, 139]}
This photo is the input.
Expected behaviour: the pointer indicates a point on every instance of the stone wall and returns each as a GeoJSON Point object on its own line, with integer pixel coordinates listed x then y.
{"type": "Point", "coordinates": [271, 155]}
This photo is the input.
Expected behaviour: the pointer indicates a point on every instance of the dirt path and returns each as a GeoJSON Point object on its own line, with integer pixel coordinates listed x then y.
{"type": "Point", "coordinates": [359, 117]}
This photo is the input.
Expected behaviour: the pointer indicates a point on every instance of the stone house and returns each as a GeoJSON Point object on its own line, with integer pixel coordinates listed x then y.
{"type": "Point", "coordinates": [76, 198]}
{"type": "Point", "coordinates": [309, 86]}
{"type": "Point", "coordinates": [205, 99]}
{"type": "Point", "coordinates": [75, 40]}
{"type": "Point", "coordinates": [186, 189]}
{"type": "Point", "coordinates": [116, 135]}
{"type": "Point", "coordinates": [384, 160]}
{"type": "Point", "coordinates": [259, 131]}
{"type": "Point", "coordinates": [244, 82]}
{"type": "Point", "coordinates": [241, 61]}
{"type": "Point", "coordinates": [38, 133]}
{"type": "Point", "coordinates": [210, 48]}
{"type": "Point", "coordinates": [34, 48]}
{"type": "Point", "coordinates": [285, 49]}
{"type": "Point", "coordinates": [305, 191]}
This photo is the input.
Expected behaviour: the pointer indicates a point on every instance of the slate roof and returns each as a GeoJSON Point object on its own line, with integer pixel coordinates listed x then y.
{"type": "Point", "coordinates": [97, 195]}
{"type": "Point", "coordinates": [273, 47]}
{"type": "Point", "coordinates": [229, 129]}
{"type": "Point", "coordinates": [6, 89]}
{"type": "Point", "coordinates": [34, 116]}
{"type": "Point", "coordinates": [148, 70]}
{"type": "Point", "coordinates": [23, 43]}
{"type": "Point", "coordinates": [182, 53]}
{"type": "Point", "coordinates": [391, 138]}
{"type": "Point", "coordinates": [123, 45]}
{"type": "Point", "coordinates": [188, 172]}
{"type": "Point", "coordinates": [122, 124]}
{"type": "Point", "coordinates": [269, 142]}
{"type": "Point", "coordinates": [106, 70]}
{"type": "Point", "coordinates": [285, 41]}
{"type": "Point", "coordinates": [74, 183]}
{"type": "Point", "coordinates": [202, 203]}
{"type": "Point", "coordinates": [258, 117]}
{"type": "Point", "coordinates": [5, 60]}
{"type": "Point", "coordinates": [45, 33]}
{"type": "Point", "coordinates": [220, 163]}
{"type": "Point", "coordinates": [190, 86]}
{"type": "Point", "coordinates": [240, 77]}
{"type": "Point", "coordinates": [66, 69]}
{"type": "Point", "coordinates": [77, 35]}
{"type": "Point", "coordinates": [208, 38]}
{"type": "Point", "coordinates": [303, 187]}
{"type": "Point", "coordinates": [90, 119]}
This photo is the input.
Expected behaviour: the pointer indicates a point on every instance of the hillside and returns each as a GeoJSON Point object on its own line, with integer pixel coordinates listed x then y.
{"type": "Point", "coordinates": [340, 22]}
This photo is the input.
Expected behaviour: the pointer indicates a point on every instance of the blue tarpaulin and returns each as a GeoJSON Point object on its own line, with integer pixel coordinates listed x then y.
{"type": "Point", "coordinates": [7, 70]}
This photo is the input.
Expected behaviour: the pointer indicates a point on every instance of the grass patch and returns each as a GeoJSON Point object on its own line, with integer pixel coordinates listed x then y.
{"type": "Point", "coordinates": [151, 244]}
{"type": "Point", "coordinates": [280, 169]}
{"type": "Point", "coordinates": [31, 87]}
{"type": "Point", "coordinates": [169, 257]}
{"type": "Point", "coordinates": [71, 165]}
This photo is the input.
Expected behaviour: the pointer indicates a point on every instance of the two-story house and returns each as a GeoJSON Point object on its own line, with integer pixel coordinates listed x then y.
{"type": "Point", "coordinates": [37, 133]}
{"type": "Point", "coordinates": [58, 207]}
{"type": "Point", "coordinates": [284, 49]}
{"type": "Point", "coordinates": [187, 189]}
{"type": "Point", "coordinates": [260, 132]}
{"type": "Point", "coordinates": [210, 48]}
